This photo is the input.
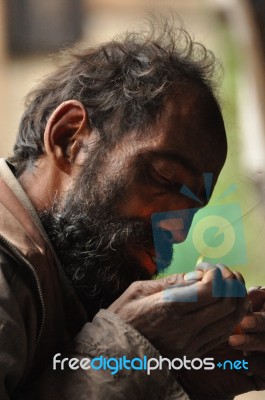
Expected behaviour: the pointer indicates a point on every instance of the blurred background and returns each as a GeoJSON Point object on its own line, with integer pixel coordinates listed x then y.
{"type": "Point", "coordinates": [31, 31]}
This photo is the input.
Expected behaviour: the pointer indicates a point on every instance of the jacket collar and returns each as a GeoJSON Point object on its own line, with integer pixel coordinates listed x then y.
{"type": "Point", "coordinates": [21, 226]}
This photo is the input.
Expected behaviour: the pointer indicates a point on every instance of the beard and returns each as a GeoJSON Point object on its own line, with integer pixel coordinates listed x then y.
{"type": "Point", "coordinates": [90, 238]}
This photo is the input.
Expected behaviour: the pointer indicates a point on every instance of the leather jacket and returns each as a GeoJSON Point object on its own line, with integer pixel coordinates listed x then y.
{"type": "Point", "coordinates": [40, 316]}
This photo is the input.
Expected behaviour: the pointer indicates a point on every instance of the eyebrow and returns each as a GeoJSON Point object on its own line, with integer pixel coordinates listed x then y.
{"type": "Point", "coordinates": [173, 157]}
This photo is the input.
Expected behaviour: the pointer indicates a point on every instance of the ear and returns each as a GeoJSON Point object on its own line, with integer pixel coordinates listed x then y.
{"type": "Point", "coordinates": [66, 131]}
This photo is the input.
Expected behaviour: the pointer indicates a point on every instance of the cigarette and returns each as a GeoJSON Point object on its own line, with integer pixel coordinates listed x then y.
{"type": "Point", "coordinates": [200, 258]}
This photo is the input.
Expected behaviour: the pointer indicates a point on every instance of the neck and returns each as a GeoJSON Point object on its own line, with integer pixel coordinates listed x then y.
{"type": "Point", "coordinates": [42, 186]}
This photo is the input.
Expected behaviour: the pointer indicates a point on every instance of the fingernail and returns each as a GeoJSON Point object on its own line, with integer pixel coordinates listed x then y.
{"type": "Point", "coordinates": [193, 276]}
{"type": "Point", "coordinates": [172, 279]}
{"type": "Point", "coordinates": [205, 265]}
{"type": "Point", "coordinates": [249, 322]}
{"type": "Point", "coordinates": [237, 340]}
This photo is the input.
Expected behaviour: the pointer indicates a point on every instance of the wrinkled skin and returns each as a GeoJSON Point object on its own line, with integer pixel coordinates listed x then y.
{"type": "Point", "coordinates": [177, 327]}
{"type": "Point", "coordinates": [222, 383]}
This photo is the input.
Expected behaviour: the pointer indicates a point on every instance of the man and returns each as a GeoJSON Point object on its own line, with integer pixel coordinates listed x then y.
{"type": "Point", "coordinates": [106, 141]}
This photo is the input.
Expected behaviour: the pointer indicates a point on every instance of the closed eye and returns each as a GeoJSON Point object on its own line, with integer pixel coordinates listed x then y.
{"type": "Point", "coordinates": [162, 182]}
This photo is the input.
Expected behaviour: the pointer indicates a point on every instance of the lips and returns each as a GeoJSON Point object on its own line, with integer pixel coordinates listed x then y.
{"type": "Point", "coordinates": [145, 257]}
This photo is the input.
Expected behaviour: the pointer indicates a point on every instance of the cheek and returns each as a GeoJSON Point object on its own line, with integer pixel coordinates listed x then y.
{"type": "Point", "coordinates": [144, 203]}
{"type": "Point", "coordinates": [136, 205]}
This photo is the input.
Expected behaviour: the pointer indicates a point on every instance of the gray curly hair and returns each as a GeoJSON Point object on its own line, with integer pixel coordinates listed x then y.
{"type": "Point", "coordinates": [123, 85]}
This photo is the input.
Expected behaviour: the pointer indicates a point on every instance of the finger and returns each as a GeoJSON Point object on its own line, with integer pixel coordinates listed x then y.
{"type": "Point", "coordinates": [257, 297]}
{"type": "Point", "coordinates": [207, 290]}
{"type": "Point", "coordinates": [193, 296]}
{"type": "Point", "coordinates": [186, 297]}
{"type": "Point", "coordinates": [201, 293]}
{"type": "Point", "coordinates": [193, 276]}
{"type": "Point", "coordinates": [251, 342]}
{"type": "Point", "coordinates": [226, 272]}
{"type": "Point", "coordinates": [206, 267]}
{"type": "Point", "coordinates": [224, 282]}
{"type": "Point", "coordinates": [254, 322]}
{"type": "Point", "coordinates": [213, 343]}
{"type": "Point", "coordinates": [211, 274]}
{"type": "Point", "coordinates": [227, 311]}
{"type": "Point", "coordinates": [174, 280]}
{"type": "Point", "coordinates": [239, 276]}
{"type": "Point", "coordinates": [147, 288]}
{"type": "Point", "coordinates": [221, 318]}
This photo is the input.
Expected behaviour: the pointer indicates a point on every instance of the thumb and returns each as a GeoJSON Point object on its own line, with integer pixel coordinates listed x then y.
{"type": "Point", "coordinates": [257, 297]}
{"type": "Point", "coordinates": [174, 280]}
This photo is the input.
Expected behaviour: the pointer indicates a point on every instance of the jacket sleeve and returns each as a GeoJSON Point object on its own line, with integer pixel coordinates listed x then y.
{"type": "Point", "coordinates": [107, 335]}
{"type": "Point", "coordinates": [110, 337]}
{"type": "Point", "coordinates": [15, 356]}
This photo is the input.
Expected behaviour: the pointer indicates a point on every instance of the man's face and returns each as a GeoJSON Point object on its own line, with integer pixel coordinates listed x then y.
{"type": "Point", "coordinates": [102, 229]}
{"type": "Point", "coordinates": [187, 142]}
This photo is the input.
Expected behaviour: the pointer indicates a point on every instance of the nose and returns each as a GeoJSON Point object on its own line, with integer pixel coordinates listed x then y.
{"type": "Point", "coordinates": [172, 230]}
{"type": "Point", "coordinates": [173, 225]}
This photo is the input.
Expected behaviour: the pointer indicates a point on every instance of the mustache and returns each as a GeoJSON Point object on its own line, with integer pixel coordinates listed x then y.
{"type": "Point", "coordinates": [113, 232]}
{"type": "Point", "coordinates": [98, 236]}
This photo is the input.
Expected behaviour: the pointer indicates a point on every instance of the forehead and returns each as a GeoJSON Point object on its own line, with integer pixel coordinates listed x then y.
{"type": "Point", "coordinates": [193, 128]}
{"type": "Point", "coordinates": [189, 130]}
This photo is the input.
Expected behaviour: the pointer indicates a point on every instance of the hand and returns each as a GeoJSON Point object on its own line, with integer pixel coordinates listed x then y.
{"type": "Point", "coordinates": [220, 383]}
{"type": "Point", "coordinates": [252, 338]}
{"type": "Point", "coordinates": [179, 314]}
